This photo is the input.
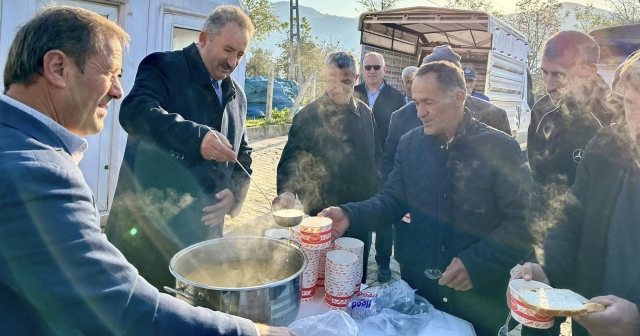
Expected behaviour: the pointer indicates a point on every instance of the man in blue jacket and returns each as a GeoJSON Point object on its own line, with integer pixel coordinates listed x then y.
{"type": "Point", "coordinates": [468, 190]}
{"type": "Point", "coordinates": [58, 274]}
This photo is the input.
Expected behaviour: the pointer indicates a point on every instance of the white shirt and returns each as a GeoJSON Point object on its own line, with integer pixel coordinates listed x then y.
{"type": "Point", "coordinates": [75, 144]}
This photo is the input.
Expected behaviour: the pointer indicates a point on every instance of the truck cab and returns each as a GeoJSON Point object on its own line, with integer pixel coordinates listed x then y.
{"type": "Point", "coordinates": [496, 51]}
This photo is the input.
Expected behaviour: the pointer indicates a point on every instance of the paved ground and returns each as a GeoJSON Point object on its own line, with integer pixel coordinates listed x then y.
{"type": "Point", "coordinates": [255, 217]}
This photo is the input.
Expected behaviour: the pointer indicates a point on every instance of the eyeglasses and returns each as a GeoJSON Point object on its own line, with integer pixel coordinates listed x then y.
{"type": "Point", "coordinates": [375, 67]}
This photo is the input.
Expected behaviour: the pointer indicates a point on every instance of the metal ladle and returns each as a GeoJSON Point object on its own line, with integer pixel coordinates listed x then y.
{"type": "Point", "coordinates": [280, 220]}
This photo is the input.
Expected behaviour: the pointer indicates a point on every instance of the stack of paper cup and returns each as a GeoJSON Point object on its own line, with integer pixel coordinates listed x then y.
{"type": "Point", "coordinates": [296, 234]}
{"type": "Point", "coordinates": [277, 233]}
{"type": "Point", "coordinates": [355, 246]}
{"type": "Point", "coordinates": [341, 269]}
{"type": "Point", "coordinates": [310, 275]}
{"type": "Point", "coordinates": [316, 233]}
{"type": "Point", "coordinates": [321, 267]}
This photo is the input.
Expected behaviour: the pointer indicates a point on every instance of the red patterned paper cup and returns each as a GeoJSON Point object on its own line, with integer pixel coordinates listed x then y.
{"type": "Point", "coordinates": [316, 233]}
{"type": "Point", "coordinates": [520, 312]}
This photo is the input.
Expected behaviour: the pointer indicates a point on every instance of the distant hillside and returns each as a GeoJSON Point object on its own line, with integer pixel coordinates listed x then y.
{"type": "Point", "coordinates": [323, 26]}
{"type": "Point", "coordinates": [346, 29]}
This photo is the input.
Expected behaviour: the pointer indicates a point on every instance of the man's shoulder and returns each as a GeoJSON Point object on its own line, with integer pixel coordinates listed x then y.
{"type": "Point", "coordinates": [486, 136]}
{"type": "Point", "coordinates": [543, 105]}
{"type": "Point", "coordinates": [480, 96]}
{"type": "Point", "coordinates": [164, 58]}
{"type": "Point", "coordinates": [413, 135]}
{"type": "Point", "coordinates": [478, 105]}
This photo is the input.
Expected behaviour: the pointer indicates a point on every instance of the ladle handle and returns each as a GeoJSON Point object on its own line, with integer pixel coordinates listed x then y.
{"type": "Point", "coordinates": [246, 172]}
{"type": "Point", "coordinates": [178, 292]}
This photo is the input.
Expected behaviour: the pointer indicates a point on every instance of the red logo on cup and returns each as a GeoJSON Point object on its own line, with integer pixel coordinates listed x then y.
{"type": "Point", "coordinates": [314, 238]}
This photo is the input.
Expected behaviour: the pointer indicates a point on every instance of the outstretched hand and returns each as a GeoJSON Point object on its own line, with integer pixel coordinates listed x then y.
{"type": "Point", "coordinates": [340, 220]}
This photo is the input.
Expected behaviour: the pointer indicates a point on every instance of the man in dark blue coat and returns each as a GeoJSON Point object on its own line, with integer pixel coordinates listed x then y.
{"type": "Point", "coordinates": [468, 190]}
{"type": "Point", "coordinates": [179, 178]}
{"type": "Point", "coordinates": [58, 273]}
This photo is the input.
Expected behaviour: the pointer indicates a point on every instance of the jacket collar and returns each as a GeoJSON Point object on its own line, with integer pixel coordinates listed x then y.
{"type": "Point", "coordinates": [463, 128]}
{"type": "Point", "coordinates": [13, 117]}
{"type": "Point", "coordinates": [352, 105]}
{"type": "Point", "coordinates": [200, 75]}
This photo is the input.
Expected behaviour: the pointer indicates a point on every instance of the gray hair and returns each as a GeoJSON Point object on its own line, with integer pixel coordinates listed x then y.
{"type": "Point", "coordinates": [341, 60]}
{"type": "Point", "coordinates": [79, 33]}
{"type": "Point", "coordinates": [586, 49]}
{"type": "Point", "coordinates": [225, 14]}
{"type": "Point", "coordinates": [376, 54]}
{"type": "Point", "coordinates": [450, 77]}
{"type": "Point", "coordinates": [409, 71]}
{"type": "Point", "coordinates": [630, 73]}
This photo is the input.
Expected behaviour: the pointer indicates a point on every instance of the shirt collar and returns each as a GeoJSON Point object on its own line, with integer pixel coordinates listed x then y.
{"type": "Point", "coordinates": [75, 144]}
{"type": "Point", "coordinates": [377, 91]}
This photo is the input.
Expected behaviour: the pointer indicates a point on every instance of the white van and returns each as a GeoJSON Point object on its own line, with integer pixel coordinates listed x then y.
{"type": "Point", "coordinates": [498, 53]}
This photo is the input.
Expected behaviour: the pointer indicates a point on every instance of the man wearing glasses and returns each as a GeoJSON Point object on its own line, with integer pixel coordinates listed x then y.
{"type": "Point", "coordinates": [383, 100]}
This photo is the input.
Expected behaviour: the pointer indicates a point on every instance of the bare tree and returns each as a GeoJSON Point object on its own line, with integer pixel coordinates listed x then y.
{"type": "Point", "coordinates": [624, 11]}
{"type": "Point", "coordinates": [587, 19]}
{"type": "Point", "coordinates": [482, 6]}
{"type": "Point", "coordinates": [376, 5]}
{"type": "Point", "coordinates": [537, 20]}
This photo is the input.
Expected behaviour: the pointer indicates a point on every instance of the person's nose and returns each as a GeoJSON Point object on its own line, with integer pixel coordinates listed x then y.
{"type": "Point", "coordinates": [116, 91]}
{"type": "Point", "coordinates": [422, 112]}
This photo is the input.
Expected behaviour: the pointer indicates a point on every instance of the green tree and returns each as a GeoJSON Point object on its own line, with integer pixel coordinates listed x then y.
{"type": "Point", "coordinates": [259, 62]}
{"type": "Point", "coordinates": [312, 54]}
{"type": "Point", "coordinates": [376, 5]}
{"type": "Point", "coordinates": [537, 20]}
{"type": "Point", "coordinates": [263, 18]}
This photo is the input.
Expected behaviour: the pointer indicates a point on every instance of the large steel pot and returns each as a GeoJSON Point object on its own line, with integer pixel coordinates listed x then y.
{"type": "Point", "coordinates": [275, 304]}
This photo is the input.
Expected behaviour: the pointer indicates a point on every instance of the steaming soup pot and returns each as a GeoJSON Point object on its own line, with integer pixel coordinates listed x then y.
{"type": "Point", "coordinates": [276, 303]}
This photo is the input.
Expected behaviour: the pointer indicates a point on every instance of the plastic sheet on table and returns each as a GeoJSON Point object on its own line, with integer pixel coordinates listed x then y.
{"type": "Point", "coordinates": [332, 323]}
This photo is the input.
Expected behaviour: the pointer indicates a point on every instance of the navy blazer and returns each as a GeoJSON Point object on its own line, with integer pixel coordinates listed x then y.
{"type": "Point", "coordinates": [468, 199]}
{"type": "Point", "coordinates": [58, 274]}
{"type": "Point", "coordinates": [164, 181]}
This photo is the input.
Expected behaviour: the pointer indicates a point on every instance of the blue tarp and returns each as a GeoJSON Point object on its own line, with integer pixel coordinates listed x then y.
{"type": "Point", "coordinates": [284, 93]}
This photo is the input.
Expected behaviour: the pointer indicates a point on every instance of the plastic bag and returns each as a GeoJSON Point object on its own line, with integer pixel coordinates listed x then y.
{"type": "Point", "coordinates": [393, 309]}
{"type": "Point", "coordinates": [372, 300]}
{"type": "Point", "coordinates": [332, 323]}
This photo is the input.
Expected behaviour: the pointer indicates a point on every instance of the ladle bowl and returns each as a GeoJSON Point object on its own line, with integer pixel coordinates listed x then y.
{"type": "Point", "coordinates": [288, 217]}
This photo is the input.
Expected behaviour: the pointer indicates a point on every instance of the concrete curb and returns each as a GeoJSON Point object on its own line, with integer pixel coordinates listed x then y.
{"type": "Point", "coordinates": [266, 132]}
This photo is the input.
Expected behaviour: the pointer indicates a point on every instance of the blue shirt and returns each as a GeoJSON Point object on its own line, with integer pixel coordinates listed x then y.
{"type": "Point", "coordinates": [217, 85]}
{"type": "Point", "coordinates": [479, 96]}
{"type": "Point", "coordinates": [373, 96]}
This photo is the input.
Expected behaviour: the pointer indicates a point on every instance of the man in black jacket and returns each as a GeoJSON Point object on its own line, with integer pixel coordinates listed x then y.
{"type": "Point", "coordinates": [333, 151]}
{"type": "Point", "coordinates": [468, 205]}
{"type": "Point", "coordinates": [594, 245]}
{"type": "Point", "coordinates": [383, 100]}
{"type": "Point", "coordinates": [578, 104]}
{"type": "Point", "coordinates": [178, 179]}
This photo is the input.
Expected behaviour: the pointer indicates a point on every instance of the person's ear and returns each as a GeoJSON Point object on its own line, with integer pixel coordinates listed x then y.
{"type": "Point", "coordinates": [460, 96]}
{"type": "Point", "coordinates": [356, 81]}
{"type": "Point", "coordinates": [55, 68]}
{"type": "Point", "coordinates": [203, 38]}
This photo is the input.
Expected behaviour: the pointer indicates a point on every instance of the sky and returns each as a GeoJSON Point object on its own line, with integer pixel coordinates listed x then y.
{"type": "Point", "coordinates": [347, 7]}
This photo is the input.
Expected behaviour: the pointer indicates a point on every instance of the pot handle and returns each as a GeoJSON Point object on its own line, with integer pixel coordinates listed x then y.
{"type": "Point", "coordinates": [178, 292]}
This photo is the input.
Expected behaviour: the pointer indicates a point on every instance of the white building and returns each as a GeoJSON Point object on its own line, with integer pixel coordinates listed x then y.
{"type": "Point", "coordinates": [153, 25]}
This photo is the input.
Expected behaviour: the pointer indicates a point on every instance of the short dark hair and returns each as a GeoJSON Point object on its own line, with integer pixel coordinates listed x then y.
{"type": "Point", "coordinates": [79, 33]}
{"type": "Point", "coordinates": [586, 49]}
{"type": "Point", "coordinates": [450, 77]}
{"type": "Point", "coordinates": [341, 60]}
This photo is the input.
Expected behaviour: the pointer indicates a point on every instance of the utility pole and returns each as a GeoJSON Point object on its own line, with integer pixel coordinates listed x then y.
{"type": "Point", "coordinates": [294, 32]}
